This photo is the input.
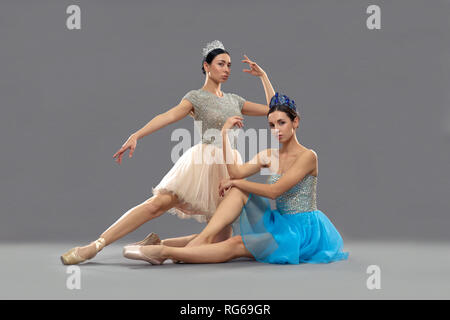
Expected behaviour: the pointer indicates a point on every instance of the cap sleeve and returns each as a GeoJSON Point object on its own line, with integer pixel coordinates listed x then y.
{"type": "Point", "coordinates": [240, 100]}
{"type": "Point", "coordinates": [193, 98]}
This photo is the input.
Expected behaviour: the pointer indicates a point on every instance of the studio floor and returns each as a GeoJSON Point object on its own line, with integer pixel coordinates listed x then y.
{"type": "Point", "coordinates": [408, 270]}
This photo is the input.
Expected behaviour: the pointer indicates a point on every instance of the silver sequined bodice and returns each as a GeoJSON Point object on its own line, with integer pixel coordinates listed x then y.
{"type": "Point", "coordinates": [300, 198]}
{"type": "Point", "coordinates": [213, 111]}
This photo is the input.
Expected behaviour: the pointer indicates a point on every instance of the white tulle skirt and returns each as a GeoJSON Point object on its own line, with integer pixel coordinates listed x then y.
{"type": "Point", "coordinates": [195, 179]}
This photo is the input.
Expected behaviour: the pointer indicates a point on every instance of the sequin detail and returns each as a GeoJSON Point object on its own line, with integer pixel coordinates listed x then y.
{"type": "Point", "coordinates": [300, 198]}
{"type": "Point", "coordinates": [213, 111]}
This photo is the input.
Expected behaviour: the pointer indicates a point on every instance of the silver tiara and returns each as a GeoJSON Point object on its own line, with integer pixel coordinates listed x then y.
{"type": "Point", "coordinates": [216, 44]}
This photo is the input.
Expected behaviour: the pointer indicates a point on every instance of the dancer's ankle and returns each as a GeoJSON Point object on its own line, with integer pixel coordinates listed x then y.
{"type": "Point", "coordinates": [164, 253]}
{"type": "Point", "coordinates": [100, 243]}
{"type": "Point", "coordinates": [201, 240]}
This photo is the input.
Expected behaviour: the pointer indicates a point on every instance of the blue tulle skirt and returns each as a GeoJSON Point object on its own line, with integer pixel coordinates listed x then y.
{"type": "Point", "coordinates": [272, 237]}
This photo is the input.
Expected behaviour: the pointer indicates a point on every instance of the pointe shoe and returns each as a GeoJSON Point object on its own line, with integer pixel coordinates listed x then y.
{"type": "Point", "coordinates": [135, 253]}
{"type": "Point", "coordinates": [72, 256]}
{"type": "Point", "coordinates": [151, 238]}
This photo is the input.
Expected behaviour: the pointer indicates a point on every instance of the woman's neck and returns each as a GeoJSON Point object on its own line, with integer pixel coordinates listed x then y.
{"type": "Point", "coordinates": [212, 86]}
{"type": "Point", "coordinates": [291, 146]}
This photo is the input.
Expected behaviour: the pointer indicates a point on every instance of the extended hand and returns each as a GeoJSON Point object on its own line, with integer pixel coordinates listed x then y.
{"type": "Point", "coordinates": [254, 70]}
{"type": "Point", "coordinates": [129, 144]}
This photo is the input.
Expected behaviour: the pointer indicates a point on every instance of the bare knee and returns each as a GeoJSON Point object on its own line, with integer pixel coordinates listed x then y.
{"type": "Point", "coordinates": [241, 194]}
{"type": "Point", "coordinates": [159, 204]}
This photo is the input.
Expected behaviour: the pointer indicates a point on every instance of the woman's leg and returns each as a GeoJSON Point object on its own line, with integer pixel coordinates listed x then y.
{"type": "Point", "coordinates": [227, 211]}
{"type": "Point", "coordinates": [131, 220]}
{"type": "Point", "coordinates": [179, 241]}
{"type": "Point", "coordinates": [210, 253]}
{"type": "Point", "coordinates": [223, 235]}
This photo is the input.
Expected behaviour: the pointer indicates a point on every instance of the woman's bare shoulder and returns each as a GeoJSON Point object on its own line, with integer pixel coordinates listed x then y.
{"type": "Point", "coordinates": [307, 153]}
{"type": "Point", "coordinates": [310, 155]}
{"type": "Point", "coordinates": [313, 152]}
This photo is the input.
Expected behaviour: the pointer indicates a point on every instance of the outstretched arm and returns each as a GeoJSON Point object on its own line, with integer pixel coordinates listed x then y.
{"type": "Point", "coordinates": [158, 122]}
{"type": "Point", "coordinates": [161, 120]}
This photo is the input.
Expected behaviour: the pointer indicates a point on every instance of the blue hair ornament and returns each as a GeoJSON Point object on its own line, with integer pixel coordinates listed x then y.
{"type": "Point", "coordinates": [282, 100]}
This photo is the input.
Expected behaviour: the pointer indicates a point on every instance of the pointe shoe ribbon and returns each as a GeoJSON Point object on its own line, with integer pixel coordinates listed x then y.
{"type": "Point", "coordinates": [72, 256]}
{"type": "Point", "coordinates": [100, 244]}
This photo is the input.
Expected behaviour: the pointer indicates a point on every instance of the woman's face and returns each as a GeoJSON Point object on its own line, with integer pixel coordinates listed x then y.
{"type": "Point", "coordinates": [281, 125]}
{"type": "Point", "coordinates": [220, 68]}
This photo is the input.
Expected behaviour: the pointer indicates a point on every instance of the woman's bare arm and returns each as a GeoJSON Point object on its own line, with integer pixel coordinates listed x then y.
{"type": "Point", "coordinates": [161, 120]}
{"type": "Point", "coordinates": [252, 108]}
{"type": "Point", "coordinates": [303, 165]}
{"type": "Point", "coordinates": [268, 89]}
{"type": "Point", "coordinates": [242, 171]}
{"type": "Point", "coordinates": [176, 113]}
{"type": "Point", "coordinates": [235, 170]}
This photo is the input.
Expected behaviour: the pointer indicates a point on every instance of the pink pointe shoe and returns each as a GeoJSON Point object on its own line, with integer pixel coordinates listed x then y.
{"type": "Point", "coordinates": [152, 256]}
{"type": "Point", "coordinates": [151, 238]}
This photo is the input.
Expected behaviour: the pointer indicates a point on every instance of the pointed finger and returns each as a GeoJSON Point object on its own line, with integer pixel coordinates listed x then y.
{"type": "Point", "coordinates": [249, 60]}
{"type": "Point", "coordinates": [115, 154]}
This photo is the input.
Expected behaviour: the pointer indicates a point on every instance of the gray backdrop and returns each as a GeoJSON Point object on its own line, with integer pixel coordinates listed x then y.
{"type": "Point", "coordinates": [374, 104]}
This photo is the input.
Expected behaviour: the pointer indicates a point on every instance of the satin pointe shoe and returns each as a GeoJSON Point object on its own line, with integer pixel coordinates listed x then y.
{"type": "Point", "coordinates": [72, 256]}
{"type": "Point", "coordinates": [152, 256]}
{"type": "Point", "coordinates": [151, 238]}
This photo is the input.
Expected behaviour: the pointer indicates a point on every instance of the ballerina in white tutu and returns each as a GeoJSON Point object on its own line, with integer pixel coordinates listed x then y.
{"type": "Point", "coordinates": [189, 189]}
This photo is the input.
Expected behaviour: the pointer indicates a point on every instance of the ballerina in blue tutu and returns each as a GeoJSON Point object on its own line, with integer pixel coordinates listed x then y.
{"type": "Point", "coordinates": [295, 232]}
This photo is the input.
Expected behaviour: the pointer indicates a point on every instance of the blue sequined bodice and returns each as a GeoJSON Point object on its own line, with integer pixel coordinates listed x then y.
{"type": "Point", "coordinates": [300, 198]}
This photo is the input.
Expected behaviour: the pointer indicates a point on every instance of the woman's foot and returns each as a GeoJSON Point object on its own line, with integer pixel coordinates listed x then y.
{"type": "Point", "coordinates": [149, 253]}
{"type": "Point", "coordinates": [151, 238]}
{"type": "Point", "coordinates": [89, 251]}
{"type": "Point", "coordinates": [80, 254]}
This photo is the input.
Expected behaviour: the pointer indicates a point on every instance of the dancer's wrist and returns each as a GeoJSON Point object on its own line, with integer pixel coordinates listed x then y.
{"type": "Point", "coordinates": [235, 182]}
{"type": "Point", "coordinates": [136, 136]}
